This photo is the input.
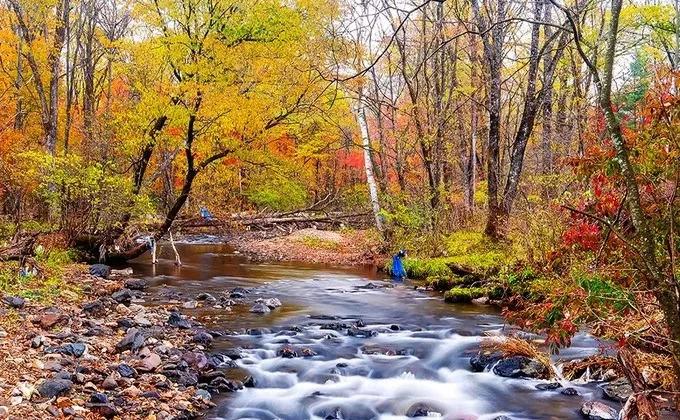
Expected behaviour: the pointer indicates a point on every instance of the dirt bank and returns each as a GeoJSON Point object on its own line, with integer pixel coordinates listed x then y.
{"type": "Point", "coordinates": [351, 247]}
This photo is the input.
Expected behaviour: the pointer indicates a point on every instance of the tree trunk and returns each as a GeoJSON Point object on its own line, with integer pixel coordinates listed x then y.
{"type": "Point", "coordinates": [368, 162]}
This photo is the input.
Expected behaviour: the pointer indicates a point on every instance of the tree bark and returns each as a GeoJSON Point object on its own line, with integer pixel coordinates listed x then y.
{"type": "Point", "coordinates": [368, 162]}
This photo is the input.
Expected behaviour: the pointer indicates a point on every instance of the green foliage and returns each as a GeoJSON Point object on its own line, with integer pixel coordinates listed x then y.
{"type": "Point", "coordinates": [422, 268]}
{"type": "Point", "coordinates": [602, 291]}
{"type": "Point", "coordinates": [276, 193]}
{"type": "Point", "coordinates": [43, 287]}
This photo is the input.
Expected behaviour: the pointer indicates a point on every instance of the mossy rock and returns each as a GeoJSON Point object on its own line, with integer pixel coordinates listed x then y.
{"type": "Point", "coordinates": [464, 295]}
{"type": "Point", "coordinates": [444, 283]}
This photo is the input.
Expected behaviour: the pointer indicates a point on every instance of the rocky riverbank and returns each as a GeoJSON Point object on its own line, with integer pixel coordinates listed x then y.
{"type": "Point", "coordinates": [99, 353]}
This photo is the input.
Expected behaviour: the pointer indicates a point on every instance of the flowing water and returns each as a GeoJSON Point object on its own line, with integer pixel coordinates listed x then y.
{"type": "Point", "coordinates": [418, 352]}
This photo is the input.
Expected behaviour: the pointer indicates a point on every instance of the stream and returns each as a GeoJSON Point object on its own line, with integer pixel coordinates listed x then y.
{"type": "Point", "coordinates": [415, 354]}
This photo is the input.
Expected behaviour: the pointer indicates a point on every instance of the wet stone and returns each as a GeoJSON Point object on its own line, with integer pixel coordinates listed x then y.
{"type": "Point", "coordinates": [483, 360]}
{"type": "Point", "coordinates": [136, 284]}
{"type": "Point", "coordinates": [595, 410]}
{"type": "Point", "coordinates": [569, 392]}
{"type": "Point", "coordinates": [618, 390]}
{"type": "Point", "coordinates": [95, 307]}
{"type": "Point", "coordinates": [549, 386]}
{"type": "Point", "coordinates": [287, 352]}
{"type": "Point", "coordinates": [519, 367]}
{"type": "Point", "coordinates": [422, 410]}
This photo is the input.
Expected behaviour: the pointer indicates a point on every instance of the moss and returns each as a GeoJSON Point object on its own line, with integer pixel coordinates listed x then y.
{"type": "Point", "coordinates": [444, 283]}
{"type": "Point", "coordinates": [464, 295]}
{"type": "Point", "coordinates": [422, 268]}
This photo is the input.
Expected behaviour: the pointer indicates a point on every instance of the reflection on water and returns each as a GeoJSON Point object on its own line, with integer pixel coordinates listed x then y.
{"type": "Point", "coordinates": [410, 350]}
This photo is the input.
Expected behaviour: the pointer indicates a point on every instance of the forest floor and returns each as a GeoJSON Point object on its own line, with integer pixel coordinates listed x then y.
{"type": "Point", "coordinates": [347, 247]}
{"type": "Point", "coordinates": [91, 351]}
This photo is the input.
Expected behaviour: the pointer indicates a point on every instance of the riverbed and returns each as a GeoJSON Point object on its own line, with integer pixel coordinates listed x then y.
{"type": "Point", "coordinates": [367, 347]}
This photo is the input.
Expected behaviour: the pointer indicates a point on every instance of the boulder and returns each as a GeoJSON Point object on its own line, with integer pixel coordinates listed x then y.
{"type": "Point", "coordinates": [571, 392]}
{"type": "Point", "coordinates": [618, 390]}
{"type": "Point", "coordinates": [260, 308]}
{"type": "Point", "coordinates": [51, 388]}
{"type": "Point", "coordinates": [595, 410]}
{"type": "Point", "coordinates": [100, 270]}
{"type": "Point", "coordinates": [520, 367]}
{"type": "Point", "coordinates": [271, 303]}
{"type": "Point", "coordinates": [287, 352]}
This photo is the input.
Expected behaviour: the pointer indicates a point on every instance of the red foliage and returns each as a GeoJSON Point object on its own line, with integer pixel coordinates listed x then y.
{"type": "Point", "coordinates": [583, 234]}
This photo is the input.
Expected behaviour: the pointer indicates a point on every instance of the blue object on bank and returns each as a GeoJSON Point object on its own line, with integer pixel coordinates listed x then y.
{"type": "Point", "coordinates": [398, 270]}
{"type": "Point", "coordinates": [205, 214]}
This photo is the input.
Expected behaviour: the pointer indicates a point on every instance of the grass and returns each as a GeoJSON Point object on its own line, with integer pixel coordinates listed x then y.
{"type": "Point", "coordinates": [513, 346]}
{"type": "Point", "coordinates": [44, 287]}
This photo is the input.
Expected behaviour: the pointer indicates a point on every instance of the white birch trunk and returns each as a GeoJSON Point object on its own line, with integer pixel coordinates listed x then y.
{"type": "Point", "coordinates": [368, 162]}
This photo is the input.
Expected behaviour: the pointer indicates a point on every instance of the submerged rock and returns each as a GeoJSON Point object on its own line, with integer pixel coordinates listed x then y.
{"type": "Point", "coordinates": [520, 367]}
{"type": "Point", "coordinates": [569, 392]}
{"type": "Point", "coordinates": [618, 390]}
{"type": "Point", "coordinates": [595, 410]}
{"type": "Point", "coordinates": [549, 386]}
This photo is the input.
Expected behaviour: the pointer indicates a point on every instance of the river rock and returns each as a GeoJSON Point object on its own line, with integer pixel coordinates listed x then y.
{"type": "Point", "coordinates": [207, 297]}
{"type": "Point", "coordinates": [260, 308]}
{"type": "Point", "coordinates": [51, 388]}
{"type": "Point", "coordinates": [202, 338]}
{"type": "Point", "coordinates": [71, 349]}
{"type": "Point", "coordinates": [178, 321]}
{"type": "Point", "coordinates": [519, 367]}
{"type": "Point", "coordinates": [618, 390]}
{"type": "Point", "coordinates": [287, 352]}
{"type": "Point", "coordinates": [149, 363]}
{"type": "Point", "coordinates": [271, 303]}
{"type": "Point", "coordinates": [136, 284]}
{"type": "Point", "coordinates": [126, 371]}
{"type": "Point", "coordinates": [422, 410]}
{"type": "Point", "coordinates": [123, 296]}
{"type": "Point", "coordinates": [51, 319]}
{"type": "Point", "coordinates": [571, 392]}
{"type": "Point", "coordinates": [100, 270]}
{"type": "Point", "coordinates": [238, 293]}
{"type": "Point", "coordinates": [95, 307]}
{"type": "Point", "coordinates": [15, 301]}
{"type": "Point", "coordinates": [110, 383]}
{"type": "Point", "coordinates": [190, 304]}
{"type": "Point", "coordinates": [484, 359]}
{"type": "Point", "coordinates": [595, 410]}
{"type": "Point", "coordinates": [133, 340]}
{"type": "Point", "coordinates": [549, 386]}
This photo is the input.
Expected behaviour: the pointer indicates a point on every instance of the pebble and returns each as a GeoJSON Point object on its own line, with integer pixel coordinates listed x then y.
{"type": "Point", "coordinates": [110, 383]}
{"type": "Point", "coordinates": [4, 412]}
{"type": "Point", "coordinates": [51, 388]}
{"type": "Point", "coordinates": [191, 304]}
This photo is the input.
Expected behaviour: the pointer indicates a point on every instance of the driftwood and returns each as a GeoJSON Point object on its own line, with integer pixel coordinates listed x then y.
{"type": "Point", "coordinates": [20, 247]}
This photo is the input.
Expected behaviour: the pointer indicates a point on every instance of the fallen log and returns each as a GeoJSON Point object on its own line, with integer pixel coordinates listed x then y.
{"type": "Point", "coordinates": [260, 220]}
{"type": "Point", "coordinates": [19, 247]}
